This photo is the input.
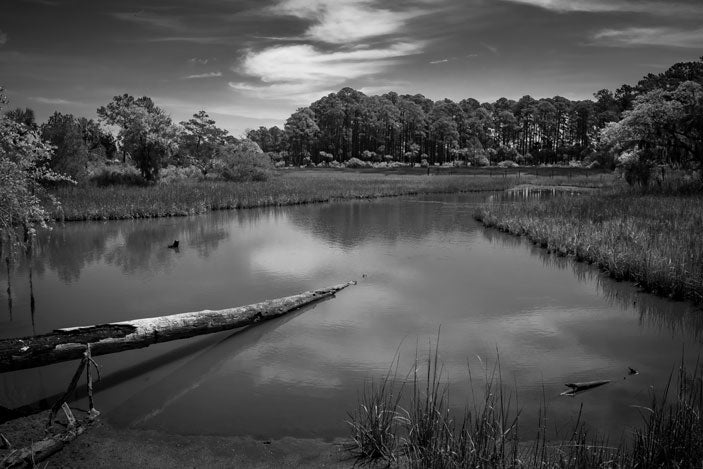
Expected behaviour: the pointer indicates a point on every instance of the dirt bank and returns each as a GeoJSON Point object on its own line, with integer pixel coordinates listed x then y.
{"type": "Point", "coordinates": [104, 446]}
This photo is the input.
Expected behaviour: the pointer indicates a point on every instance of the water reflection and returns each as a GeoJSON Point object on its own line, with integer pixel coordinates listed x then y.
{"type": "Point", "coordinates": [426, 264]}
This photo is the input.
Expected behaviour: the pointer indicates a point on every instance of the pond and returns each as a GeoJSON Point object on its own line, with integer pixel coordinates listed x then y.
{"type": "Point", "coordinates": [424, 267]}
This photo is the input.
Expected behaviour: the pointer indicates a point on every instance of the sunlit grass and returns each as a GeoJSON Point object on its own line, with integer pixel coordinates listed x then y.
{"type": "Point", "coordinates": [653, 240]}
{"type": "Point", "coordinates": [90, 202]}
{"type": "Point", "coordinates": [408, 423]}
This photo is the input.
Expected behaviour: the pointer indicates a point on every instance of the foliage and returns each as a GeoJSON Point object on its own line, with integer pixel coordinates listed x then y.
{"type": "Point", "coordinates": [121, 174]}
{"type": "Point", "coordinates": [350, 124]}
{"type": "Point", "coordinates": [24, 168]}
{"type": "Point", "coordinates": [300, 130]}
{"type": "Point", "coordinates": [77, 142]}
{"type": "Point", "coordinates": [356, 163]}
{"type": "Point", "coordinates": [178, 174]}
{"type": "Point", "coordinates": [146, 132]}
{"type": "Point", "coordinates": [200, 138]}
{"type": "Point", "coordinates": [664, 127]}
{"type": "Point", "coordinates": [241, 162]}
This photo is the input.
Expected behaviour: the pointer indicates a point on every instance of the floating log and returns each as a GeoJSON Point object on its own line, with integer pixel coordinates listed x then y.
{"type": "Point", "coordinates": [584, 386]}
{"type": "Point", "coordinates": [70, 343]}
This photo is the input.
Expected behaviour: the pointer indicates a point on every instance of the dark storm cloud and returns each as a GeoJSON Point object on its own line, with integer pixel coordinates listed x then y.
{"type": "Point", "coordinates": [253, 62]}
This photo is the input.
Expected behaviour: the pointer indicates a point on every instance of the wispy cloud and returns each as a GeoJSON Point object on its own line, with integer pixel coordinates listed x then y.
{"type": "Point", "coordinates": [297, 71]}
{"type": "Point", "coordinates": [203, 75]}
{"type": "Point", "coordinates": [441, 61]}
{"type": "Point", "coordinates": [195, 39]}
{"type": "Point", "coordinates": [659, 36]}
{"type": "Point", "coordinates": [198, 60]}
{"type": "Point", "coordinates": [43, 100]}
{"type": "Point", "coordinates": [3, 38]}
{"type": "Point", "coordinates": [147, 18]}
{"type": "Point", "coordinates": [344, 21]}
{"type": "Point", "coordinates": [672, 7]}
{"type": "Point", "coordinates": [493, 49]}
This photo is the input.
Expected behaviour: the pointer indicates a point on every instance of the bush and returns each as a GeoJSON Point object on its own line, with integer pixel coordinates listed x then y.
{"type": "Point", "coordinates": [636, 169]}
{"type": "Point", "coordinates": [122, 174]}
{"type": "Point", "coordinates": [240, 163]}
{"type": "Point", "coordinates": [356, 163]}
{"type": "Point", "coordinates": [508, 164]}
{"type": "Point", "coordinates": [173, 174]}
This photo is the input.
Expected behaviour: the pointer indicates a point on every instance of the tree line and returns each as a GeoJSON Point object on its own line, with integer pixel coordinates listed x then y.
{"type": "Point", "coordinates": [412, 128]}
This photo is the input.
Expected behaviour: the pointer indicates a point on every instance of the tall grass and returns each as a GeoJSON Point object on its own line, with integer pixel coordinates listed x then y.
{"type": "Point", "coordinates": [410, 424]}
{"type": "Point", "coordinates": [652, 239]}
{"type": "Point", "coordinates": [89, 202]}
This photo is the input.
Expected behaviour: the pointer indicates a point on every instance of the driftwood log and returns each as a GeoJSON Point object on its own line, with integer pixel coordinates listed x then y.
{"type": "Point", "coordinates": [70, 343]}
{"type": "Point", "coordinates": [39, 451]}
{"type": "Point", "coordinates": [584, 386]}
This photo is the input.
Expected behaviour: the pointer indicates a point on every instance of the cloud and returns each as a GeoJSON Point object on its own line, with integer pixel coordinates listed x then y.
{"type": "Point", "coordinates": [658, 36]}
{"type": "Point", "coordinates": [198, 60]}
{"type": "Point", "coordinates": [3, 38]}
{"type": "Point", "coordinates": [43, 100]}
{"type": "Point", "coordinates": [492, 49]}
{"type": "Point", "coordinates": [194, 39]}
{"type": "Point", "coordinates": [146, 18]}
{"type": "Point", "coordinates": [634, 6]}
{"type": "Point", "coordinates": [203, 75]}
{"type": "Point", "coordinates": [434, 62]}
{"type": "Point", "coordinates": [299, 71]}
{"type": "Point", "coordinates": [345, 21]}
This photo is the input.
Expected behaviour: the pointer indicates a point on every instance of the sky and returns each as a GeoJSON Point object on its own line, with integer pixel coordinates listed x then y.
{"type": "Point", "coordinates": [250, 63]}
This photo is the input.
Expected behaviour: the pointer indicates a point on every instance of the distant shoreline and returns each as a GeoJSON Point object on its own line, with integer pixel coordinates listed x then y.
{"type": "Point", "coordinates": [120, 202]}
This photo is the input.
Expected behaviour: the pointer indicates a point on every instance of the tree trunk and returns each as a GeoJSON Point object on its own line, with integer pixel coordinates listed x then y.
{"type": "Point", "coordinates": [70, 343]}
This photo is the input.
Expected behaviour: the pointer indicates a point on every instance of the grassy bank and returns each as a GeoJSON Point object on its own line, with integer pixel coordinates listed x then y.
{"type": "Point", "coordinates": [408, 423]}
{"type": "Point", "coordinates": [89, 202]}
{"type": "Point", "coordinates": [653, 240]}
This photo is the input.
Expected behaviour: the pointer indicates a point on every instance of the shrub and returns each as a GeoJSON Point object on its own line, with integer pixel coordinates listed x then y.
{"type": "Point", "coordinates": [122, 174]}
{"type": "Point", "coordinates": [172, 174]}
{"type": "Point", "coordinates": [637, 170]}
{"type": "Point", "coordinates": [240, 163]}
{"type": "Point", "coordinates": [356, 163]}
{"type": "Point", "coordinates": [508, 164]}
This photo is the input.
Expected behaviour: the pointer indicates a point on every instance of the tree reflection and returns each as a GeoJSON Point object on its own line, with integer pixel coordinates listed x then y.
{"type": "Point", "coordinates": [350, 224]}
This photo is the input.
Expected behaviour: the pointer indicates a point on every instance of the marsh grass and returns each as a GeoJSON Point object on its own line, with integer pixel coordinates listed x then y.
{"type": "Point", "coordinates": [651, 239]}
{"type": "Point", "coordinates": [672, 431]}
{"type": "Point", "coordinates": [410, 424]}
{"type": "Point", "coordinates": [290, 187]}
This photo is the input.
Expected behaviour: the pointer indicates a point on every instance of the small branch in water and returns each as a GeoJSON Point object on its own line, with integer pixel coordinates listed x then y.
{"type": "Point", "coordinates": [584, 386]}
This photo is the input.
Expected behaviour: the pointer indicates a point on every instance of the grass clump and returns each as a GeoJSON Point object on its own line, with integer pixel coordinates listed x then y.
{"type": "Point", "coordinates": [410, 424]}
{"type": "Point", "coordinates": [651, 239]}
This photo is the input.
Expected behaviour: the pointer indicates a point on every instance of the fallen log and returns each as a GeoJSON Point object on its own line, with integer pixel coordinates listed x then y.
{"type": "Point", "coordinates": [584, 386]}
{"type": "Point", "coordinates": [70, 343]}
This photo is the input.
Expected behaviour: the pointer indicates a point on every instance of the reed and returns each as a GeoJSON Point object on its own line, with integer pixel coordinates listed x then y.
{"type": "Point", "coordinates": [411, 425]}
{"type": "Point", "coordinates": [651, 239]}
{"type": "Point", "coordinates": [290, 187]}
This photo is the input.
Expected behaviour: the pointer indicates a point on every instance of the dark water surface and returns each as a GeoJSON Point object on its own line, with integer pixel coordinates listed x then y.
{"type": "Point", "coordinates": [427, 264]}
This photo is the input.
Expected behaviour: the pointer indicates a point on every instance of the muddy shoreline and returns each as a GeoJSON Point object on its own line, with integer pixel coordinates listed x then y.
{"type": "Point", "coordinates": [104, 446]}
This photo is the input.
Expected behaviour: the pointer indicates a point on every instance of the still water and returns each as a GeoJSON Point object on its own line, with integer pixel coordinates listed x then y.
{"type": "Point", "coordinates": [423, 265]}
